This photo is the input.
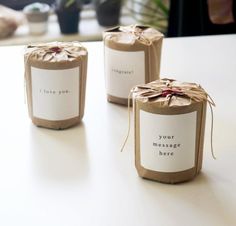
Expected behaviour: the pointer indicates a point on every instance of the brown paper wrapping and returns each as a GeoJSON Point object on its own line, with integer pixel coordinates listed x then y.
{"type": "Point", "coordinates": [47, 56]}
{"type": "Point", "coordinates": [136, 38]}
{"type": "Point", "coordinates": [189, 97]}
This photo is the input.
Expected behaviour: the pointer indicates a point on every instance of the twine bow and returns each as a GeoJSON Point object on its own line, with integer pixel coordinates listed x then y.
{"type": "Point", "coordinates": [165, 90]}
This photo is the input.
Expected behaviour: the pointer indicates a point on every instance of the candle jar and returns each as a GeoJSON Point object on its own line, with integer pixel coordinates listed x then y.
{"type": "Point", "coordinates": [132, 56]}
{"type": "Point", "coordinates": [55, 75]}
{"type": "Point", "coordinates": [169, 130]}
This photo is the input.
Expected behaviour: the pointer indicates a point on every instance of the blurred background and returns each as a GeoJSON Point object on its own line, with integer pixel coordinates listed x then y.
{"type": "Point", "coordinates": [29, 21]}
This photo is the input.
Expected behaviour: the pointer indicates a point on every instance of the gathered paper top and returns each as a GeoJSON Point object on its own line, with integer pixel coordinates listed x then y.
{"type": "Point", "coordinates": [129, 34]}
{"type": "Point", "coordinates": [55, 51]}
{"type": "Point", "coordinates": [169, 92]}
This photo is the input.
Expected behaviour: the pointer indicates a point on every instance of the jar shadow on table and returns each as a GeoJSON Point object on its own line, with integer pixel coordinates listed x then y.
{"type": "Point", "coordinates": [59, 156]}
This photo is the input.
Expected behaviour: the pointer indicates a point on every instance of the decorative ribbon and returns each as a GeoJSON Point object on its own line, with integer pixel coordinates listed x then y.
{"type": "Point", "coordinates": [166, 89]}
{"type": "Point", "coordinates": [137, 31]}
{"type": "Point", "coordinates": [54, 51]}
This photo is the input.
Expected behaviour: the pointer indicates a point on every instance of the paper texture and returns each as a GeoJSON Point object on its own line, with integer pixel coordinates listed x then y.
{"type": "Point", "coordinates": [55, 93]}
{"type": "Point", "coordinates": [123, 70]}
{"type": "Point", "coordinates": [167, 142]}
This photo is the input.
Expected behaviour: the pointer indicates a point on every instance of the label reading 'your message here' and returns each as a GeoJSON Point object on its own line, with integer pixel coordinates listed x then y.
{"type": "Point", "coordinates": [167, 142]}
{"type": "Point", "coordinates": [123, 70]}
{"type": "Point", "coordinates": [55, 93]}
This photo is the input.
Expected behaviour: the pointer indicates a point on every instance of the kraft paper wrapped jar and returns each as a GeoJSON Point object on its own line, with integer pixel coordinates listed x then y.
{"type": "Point", "coordinates": [132, 56]}
{"type": "Point", "coordinates": [55, 75]}
{"type": "Point", "coordinates": [169, 130]}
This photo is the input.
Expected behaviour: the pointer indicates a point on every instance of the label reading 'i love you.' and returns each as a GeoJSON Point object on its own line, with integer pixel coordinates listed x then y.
{"type": "Point", "coordinates": [55, 93]}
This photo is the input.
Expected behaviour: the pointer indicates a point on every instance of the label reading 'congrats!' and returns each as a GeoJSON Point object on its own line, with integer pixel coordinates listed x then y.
{"type": "Point", "coordinates": [123, 70]}
{"type": "Point", "coordinates": [55, 93]}
{"type": "Point", "coordinates": [167, 142]}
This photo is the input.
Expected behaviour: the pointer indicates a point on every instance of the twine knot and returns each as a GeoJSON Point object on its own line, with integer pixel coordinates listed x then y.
{"type": "Point", "coordinates": [55, 49]}
{"type": "Point", "coordinates": [171, 92]}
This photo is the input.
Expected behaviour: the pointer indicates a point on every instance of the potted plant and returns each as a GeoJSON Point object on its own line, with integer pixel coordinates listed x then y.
{"type": "Point", "coordinates": [68, 15]}
{"type": "Point", "coordinates": [37, 16]}
{"type": "Point", "coordinates": [108, 12]}
{"type": "Point", "coordinates": [151, 12]}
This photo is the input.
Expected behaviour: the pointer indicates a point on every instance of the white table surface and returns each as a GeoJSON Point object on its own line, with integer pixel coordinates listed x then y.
{"type": "Point", "coordinates": [79, 177]}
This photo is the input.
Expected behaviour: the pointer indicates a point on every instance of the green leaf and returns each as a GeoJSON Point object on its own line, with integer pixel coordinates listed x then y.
{"type": "Point", "coordinates": [69, 3]}
{"type": "Point", "coordinates": [162, 6]}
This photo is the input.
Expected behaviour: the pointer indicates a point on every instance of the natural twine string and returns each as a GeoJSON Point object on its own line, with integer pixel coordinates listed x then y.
{"type": "Point", "coordinates": [128, 130]}
{"type": "Point", "coordinates": [167, 90]}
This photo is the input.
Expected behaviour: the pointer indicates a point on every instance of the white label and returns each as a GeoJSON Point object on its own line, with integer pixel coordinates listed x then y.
{"type": "Point", "coordinates": [167, 142]}
{"type": "Point", "coordinates": [123, 70]}
{"type": "Point", "coordinates": [55, 93]}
